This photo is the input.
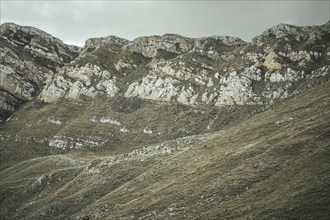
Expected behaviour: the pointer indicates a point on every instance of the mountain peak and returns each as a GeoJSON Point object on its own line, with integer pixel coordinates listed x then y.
{"type": "Point", "coordinates": [16, 30]}
{"type": "Point", "coordinates": [29, 30]}
{"type": "Point", "coordinates": [281, 30]}
{"type": "Point", "coordinates": [93, 42]}
{"type": "Point", "coordinates": [125, 129]}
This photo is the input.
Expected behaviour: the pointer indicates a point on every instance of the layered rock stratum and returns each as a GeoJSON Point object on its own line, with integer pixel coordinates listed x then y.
{"type": "Point", "coordinates": [214, 71]}
{"type": "Point", "coordinates": [165, 127]}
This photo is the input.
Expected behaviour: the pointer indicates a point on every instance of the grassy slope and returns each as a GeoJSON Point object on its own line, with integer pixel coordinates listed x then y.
{"type": "Point", "coordinates": [30, 131]}
{"type": "Point", "coordinates": [260, 170]}
{"type": "Point", "coordinates": [272, 166]}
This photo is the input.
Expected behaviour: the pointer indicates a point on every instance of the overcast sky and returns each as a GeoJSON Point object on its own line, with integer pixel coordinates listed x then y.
{"type": "Point", "coordinates": [75, 21]}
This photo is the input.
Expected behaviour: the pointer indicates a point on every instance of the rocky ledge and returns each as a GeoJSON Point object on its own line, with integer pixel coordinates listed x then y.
{"type": "Point", "coordinates": [213, 71]}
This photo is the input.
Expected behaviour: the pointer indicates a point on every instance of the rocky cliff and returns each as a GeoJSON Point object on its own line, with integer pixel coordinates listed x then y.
{"type": "Point", "coordinates": [212, 71]}
{"type": "Point", "coordinates": [82, 127]}
{"type": "Point", "coordinates": [28, 57]}
{"type": "Point", "coordinates": [150, 89]}
{"type": "Point", "coordinates": [211, 81]}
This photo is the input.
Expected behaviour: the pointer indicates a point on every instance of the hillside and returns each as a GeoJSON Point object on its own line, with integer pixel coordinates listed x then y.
{"type": "Point", "coordinates": [274, 165]}
{"type": "Point", "coordinates": [165, 127]}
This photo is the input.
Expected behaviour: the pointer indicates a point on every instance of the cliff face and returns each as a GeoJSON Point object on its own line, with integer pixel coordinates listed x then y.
{"type": "Point", "coordinates": [105, 117]}
{"type": "Point", "coordinates": [274, 165]}
{"type": "Point", "coordinates": [212, 71]}
{"type": "Point", "coordinates": [28, 57]}
{"type": "Point", "coordinates": [211, 81]}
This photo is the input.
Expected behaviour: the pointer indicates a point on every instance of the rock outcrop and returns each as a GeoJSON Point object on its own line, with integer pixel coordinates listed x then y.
{"type": "Point", "coordinates": [28, 56]}
{"type": "Point", "coordinates": [165, 127]}
{"type": "Point", "coordinates": [149, 46]}
{"type": "Point", "coordinates": [73, 82]}
{"type": "Point", "coordinates": [213, 71]}
{"type": "Point", "coordinates": [154, 88]}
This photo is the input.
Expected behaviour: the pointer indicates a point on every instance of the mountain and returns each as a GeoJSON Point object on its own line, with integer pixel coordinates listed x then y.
{"type": "Point", "coordinates": [165, 127]}
{"type": "Point", "coordinates": [29, 57]}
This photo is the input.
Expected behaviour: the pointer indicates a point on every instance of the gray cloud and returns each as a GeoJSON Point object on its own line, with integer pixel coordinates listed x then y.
{"type": "Point", "coordinates": [76, 21]}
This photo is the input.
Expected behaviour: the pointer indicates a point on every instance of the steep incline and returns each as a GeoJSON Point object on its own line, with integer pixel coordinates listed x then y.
{"type": "Point", "coordinates": [113, 94]}
{"type": "Point", "coordinates": [28, 57]}
{"type": "Point", "coordinates": [165, 127]}
{"type": "Point", "coordinates": [210, 71]}
{"type": "Point", "coordinates": [272, 166]}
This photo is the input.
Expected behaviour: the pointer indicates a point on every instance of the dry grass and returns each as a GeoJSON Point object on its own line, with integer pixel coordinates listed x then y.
{"type": "Point", "coordinates": [274, 165]}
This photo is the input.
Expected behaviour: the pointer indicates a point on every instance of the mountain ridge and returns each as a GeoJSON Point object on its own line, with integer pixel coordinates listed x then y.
{"type": "Point", "coordinates": [165, 127]}
{"type": "Point", "coordinates": [273, 165]}
{"type": "Point", "coordinates": [205, 74]}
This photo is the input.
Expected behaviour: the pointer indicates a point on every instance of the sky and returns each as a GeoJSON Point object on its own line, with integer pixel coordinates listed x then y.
{"type": "Point", "coordinates": [75, 21]}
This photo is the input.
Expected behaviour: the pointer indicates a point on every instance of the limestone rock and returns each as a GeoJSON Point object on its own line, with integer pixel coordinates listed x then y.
{"type": "Point", "coordinates": [271, 62]}
{"type": "Point", "coordinates": [122, 64]}
{"type": "Point", "coordinates": [288, 75]}
{"type": "Point", "coordinates": [15, 84]}
{"type": "Point", "coordinates": [109, 86]}
{"type": "Point", "coordinates": [179, 71]}
{"type": "Point", "coordinates": [237, 91]}
{"type": "Point", "coordinates": [209, 98]}
{"type": "Point", "coordinates": [38, 42]}
{"type": "Point", "coordinates": [64, 142]}
{"type": "Point", "coordinates": [72, 82]}
{"type": "Point", "coordinates": [214, 71]}
{"type": "Point", "coordinates": [149, 46]}
{"type": "Point", "coordinates": [227, 40]}
{"type": "Point", "coordinates": [281, 30]}
{"type": "Point", "coordinates": [8, 104]}
{"type": "Point", "coordinates": [55, 89]}
{"type": "Point", "coordinates": [28, 57]}
{"type": "Point", "coordinates": [155, 88]}
{"type": "Point", "coordinates": [188, 96]}
{"type": "Point", "coordinates": [94, 42]}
